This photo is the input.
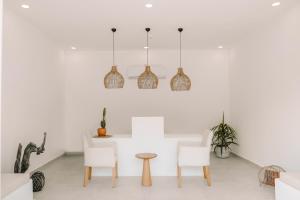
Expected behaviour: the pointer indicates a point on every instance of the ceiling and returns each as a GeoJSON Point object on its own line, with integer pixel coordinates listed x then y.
{"type": "Point", "coordinates": [86, 24]}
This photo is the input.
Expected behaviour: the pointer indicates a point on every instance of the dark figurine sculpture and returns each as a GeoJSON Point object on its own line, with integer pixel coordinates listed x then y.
{"type": "Point", "coordinates": [38, 177]}
{"type": "Point", "coordinates": [38, 180]}
{"type": "Point", "coordinates": [17, 168]}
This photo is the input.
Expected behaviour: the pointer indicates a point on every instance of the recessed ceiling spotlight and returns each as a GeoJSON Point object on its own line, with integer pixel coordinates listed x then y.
{"type": "Point", "coordinates": [148, 5]}
{"type": "Point", "coordinates": [25, 6]}
{"type": "Point", "coordinates": [220, 47]}
{"type": "Point", "coordinates": [73, 48]}
{"type": "Point", "coordinates": [276, 4]}
{"type": "Point", "coordinates": [146, 47]}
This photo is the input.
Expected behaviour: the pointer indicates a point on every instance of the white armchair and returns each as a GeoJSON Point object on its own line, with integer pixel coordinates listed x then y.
{"type": "Point", "coordinates": [287, 187]}
{"type": "Point", "coordinates": [99, 155]}
{"type": "Point", "coordinates": [195, 154]}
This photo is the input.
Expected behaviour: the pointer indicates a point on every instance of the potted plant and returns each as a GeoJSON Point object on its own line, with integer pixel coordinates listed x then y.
{"type": "Point", "coordinates": [102, 130]}
{"type": "Point", "coordinates": [223, 137]}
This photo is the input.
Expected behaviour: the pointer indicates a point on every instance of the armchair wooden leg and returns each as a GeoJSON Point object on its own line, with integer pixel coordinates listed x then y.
{"type": "Point", "coordinates": [114, 174]}
{"type": "Point", "coordinates": [90, 173]}
{"type": "Point", "coordinates": [179, 178]}
{"type": "Point", "coordinates": [204, 172]}
{"type": "Point", "coordinates": [208, 177]}
{"type": "Point", "coordinates": [117, 170]}
{"type": "Point", "coordinates": [86, 176]}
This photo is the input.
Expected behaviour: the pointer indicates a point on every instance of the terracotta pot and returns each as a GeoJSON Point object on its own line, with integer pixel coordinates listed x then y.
{"type": "Point", "coordinates": [101, 132]}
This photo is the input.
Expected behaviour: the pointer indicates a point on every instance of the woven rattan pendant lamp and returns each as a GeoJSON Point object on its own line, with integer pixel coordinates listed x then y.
{"type": "Point", "coordinates": [180, 82]}
{"type": "Point", "coordinates": [147, 80]}
{"type": "Point", "coordinates": [113, 79]}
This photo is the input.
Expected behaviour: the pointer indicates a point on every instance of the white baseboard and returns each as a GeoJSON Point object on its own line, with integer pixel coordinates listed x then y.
{"type": "Point", "coordinates": [73, 153]}
{"type": "Point", "coordinates": [249, 161]}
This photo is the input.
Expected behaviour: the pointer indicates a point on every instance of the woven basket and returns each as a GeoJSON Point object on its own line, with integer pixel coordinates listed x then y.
{"type": "Point", "coordinates": [268, 174]}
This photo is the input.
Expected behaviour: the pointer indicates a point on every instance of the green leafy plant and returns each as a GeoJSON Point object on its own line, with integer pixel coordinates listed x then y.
{"type": "Point", "coordinates": [223, 136]}
{"type": "Point", "coordinates": [103, 122]}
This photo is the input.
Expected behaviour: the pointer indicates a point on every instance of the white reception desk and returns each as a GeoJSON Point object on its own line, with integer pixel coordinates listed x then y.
{"type": "Point", "coordinates": [148, 136]}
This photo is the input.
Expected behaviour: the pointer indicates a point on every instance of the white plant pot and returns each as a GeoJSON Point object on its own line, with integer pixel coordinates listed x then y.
{"type": "Point", "coordinates": [225, 152]}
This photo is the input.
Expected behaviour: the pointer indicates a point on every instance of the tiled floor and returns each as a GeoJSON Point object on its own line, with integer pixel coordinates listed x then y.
{"type": "Point", "coordinates": [232, 179]}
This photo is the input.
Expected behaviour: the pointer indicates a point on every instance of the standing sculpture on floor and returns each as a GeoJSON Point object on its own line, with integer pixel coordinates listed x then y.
{"type": "Point", "coordinates": [37, 177]}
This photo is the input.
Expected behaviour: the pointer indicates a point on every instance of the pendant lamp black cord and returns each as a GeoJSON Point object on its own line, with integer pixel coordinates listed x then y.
{"type": "Point", "coordinates": [113, 43]}
{"type": "Point", "coordinates": [147, 48]}
{"type": "Point", "coordinates": [180, 30]}
{"type": "Point", "coordinates": [113, 48]}
{"type": "Point", "coordinates": [179, 49]}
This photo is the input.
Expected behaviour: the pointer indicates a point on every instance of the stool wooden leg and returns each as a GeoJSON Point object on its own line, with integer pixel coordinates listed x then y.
{"type": "Point", "coordinates": [146, 179]}
{"type": "Point", "coordinates": [86, 176]}
{"type": "Point", "coordinates": [114, 174]}
{"type": "Point", "coordinates": [204, 172]}
{"type": "Point", "coordinates": [179, 178]}
{"type": "Point", "coordinates": [208, 177]}
{"type": "Point", "coordinates": [90, 173]}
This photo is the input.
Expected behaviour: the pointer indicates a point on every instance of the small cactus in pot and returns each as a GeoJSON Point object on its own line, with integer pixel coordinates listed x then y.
{"type": "Point", "coordinates": [102, 130]}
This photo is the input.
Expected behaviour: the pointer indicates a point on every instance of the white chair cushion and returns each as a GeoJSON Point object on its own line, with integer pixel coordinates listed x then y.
{"type": "Point", "coordinates": [193, 154]}
{"type": "Point", "coordinates": [100, 154]}
{"type": "Point", "coordinates": [99, 157]}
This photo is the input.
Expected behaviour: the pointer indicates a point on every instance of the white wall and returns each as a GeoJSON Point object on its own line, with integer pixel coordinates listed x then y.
{"type": "Point", "coordinates": [184, 112]}
{"type": "Point", "coordinates": [1, 31]}
{"type": "Point", "coordinates": [265, 94]}
{"type": "Point", "coordinates": [32, 92]}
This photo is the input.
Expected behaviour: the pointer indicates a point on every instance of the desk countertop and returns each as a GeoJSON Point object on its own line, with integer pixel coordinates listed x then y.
{"type": "Point", "coordinates": [167, 135]}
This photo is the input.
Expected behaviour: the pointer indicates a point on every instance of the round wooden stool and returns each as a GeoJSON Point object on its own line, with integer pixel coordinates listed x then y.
{"type": "Point", "coordinates": [146, 177]}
